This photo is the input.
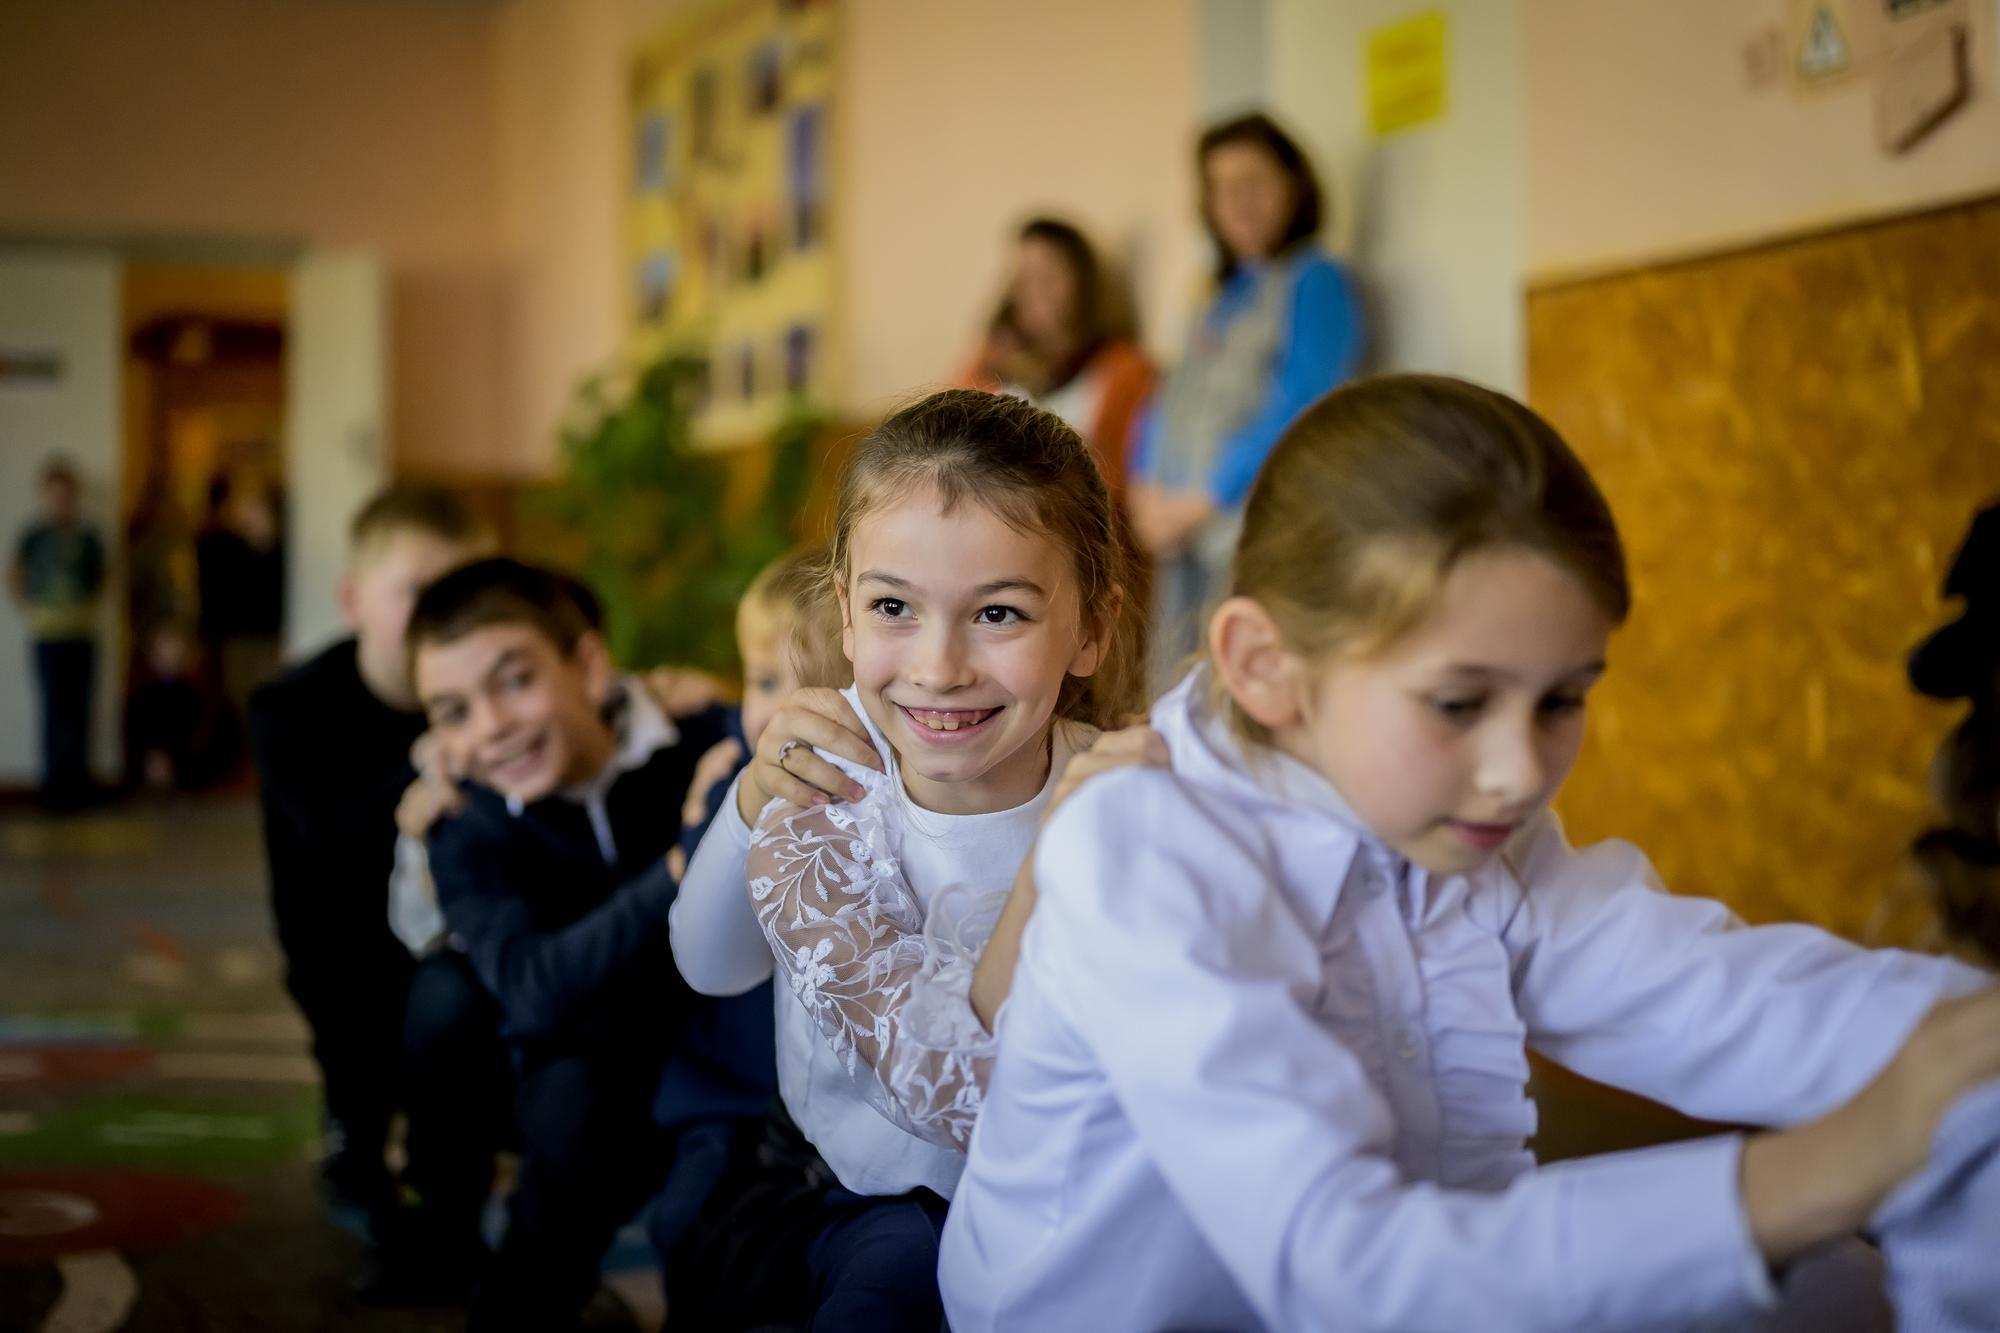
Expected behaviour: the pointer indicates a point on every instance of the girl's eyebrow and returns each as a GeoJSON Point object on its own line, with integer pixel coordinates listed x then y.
{"type": "Point", "coordinates": [1497, 675]}
{"type": "Point", "coordinates": [983, 590]}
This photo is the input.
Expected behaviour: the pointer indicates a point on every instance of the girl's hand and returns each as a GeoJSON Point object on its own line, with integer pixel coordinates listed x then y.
{"type": "Point", "coordinates": [819, 718]}
{"type": "Point", "coordinates": [684, 691]}
{"type": "Point", "coordinates": [1825, 1178]}
{"type": "Point", "coordinates": [1114, 749]}
{"type": "Point", "coordinates": [993, 978]}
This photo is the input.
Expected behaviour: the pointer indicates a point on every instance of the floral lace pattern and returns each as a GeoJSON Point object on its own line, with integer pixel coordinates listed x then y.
{"type": "Point", "coordinates": [889, 985]}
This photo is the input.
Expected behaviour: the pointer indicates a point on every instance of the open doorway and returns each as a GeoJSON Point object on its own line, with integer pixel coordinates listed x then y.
{"type": "Point", "coordinates": [202, 486]}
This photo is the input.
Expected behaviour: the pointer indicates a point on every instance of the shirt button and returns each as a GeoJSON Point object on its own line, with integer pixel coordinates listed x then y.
{"type": "Point", "coordinates": [1407, 1051]}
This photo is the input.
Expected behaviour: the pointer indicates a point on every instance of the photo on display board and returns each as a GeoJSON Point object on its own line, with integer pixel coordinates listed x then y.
{"type": "Point", "coordinates": [764, 75]}
{"type": "Point", "coordinates": [649, 167]}
{"type": "Point", "coordinates": [798, 350]}
{"type": "Point", "coordinates": [656, 285]}
{"type": "Point", "coordinates": [805, 173]}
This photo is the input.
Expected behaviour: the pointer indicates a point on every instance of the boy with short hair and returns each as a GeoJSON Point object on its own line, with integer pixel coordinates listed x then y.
{"type": "Point", "coordinates": [553, 878]}
{"type": "Point", "coordinates": [331, 738]}
{"type": "Point", "coordinates": [56, 575]}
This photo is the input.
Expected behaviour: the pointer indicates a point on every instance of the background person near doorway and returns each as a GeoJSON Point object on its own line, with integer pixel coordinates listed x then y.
{"type": "Point", "coordinates": [1283, 327]}
{"type": "Point", "coordinates": [57, 572]}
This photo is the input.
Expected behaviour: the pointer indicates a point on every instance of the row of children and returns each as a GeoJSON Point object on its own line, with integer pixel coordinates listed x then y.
{"type": "Point", "coordinates": [1218, 1021]}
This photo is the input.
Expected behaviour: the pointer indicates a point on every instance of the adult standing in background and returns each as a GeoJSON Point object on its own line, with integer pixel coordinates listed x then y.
{"type": "Point", "coordinates": [1061, 339]}
{"type": "Point", "coordinates": [57, 572]}
{"type": "Point", "coordinates": [1283, 327]}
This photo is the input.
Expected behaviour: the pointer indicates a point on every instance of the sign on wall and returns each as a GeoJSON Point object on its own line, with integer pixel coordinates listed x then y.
{"type": "Point", "coordinates": [1407, 73]}
{"type": "Point", "coordinates": [728, 225]}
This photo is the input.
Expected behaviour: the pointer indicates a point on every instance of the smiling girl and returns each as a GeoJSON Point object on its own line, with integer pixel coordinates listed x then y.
{"type": "Point", "coordinates": [1265, 1057]}
{"type": "Point", "coordinates": [981, 573]}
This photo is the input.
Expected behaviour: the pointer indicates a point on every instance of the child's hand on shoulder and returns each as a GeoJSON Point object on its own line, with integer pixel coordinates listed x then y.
{"type": "Point", "coordinates": [1112, 750]}
{"type": "Point", "coordinates": [684, 691]}
{"type": "Point", "coordinates": [434, 795]}
{"type": "Point", "coordinates": [711, 768]}
{"type": "Point", "coordinates": [1827, 1177]}
{"type": "Point", "coordinates": [817, 719]}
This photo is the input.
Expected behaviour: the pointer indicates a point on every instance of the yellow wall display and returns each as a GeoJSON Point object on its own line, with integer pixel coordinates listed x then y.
{"type": "Point", "coordinates": [728, 228]}
{"type": "Point", "coordinates": [1406, 73]}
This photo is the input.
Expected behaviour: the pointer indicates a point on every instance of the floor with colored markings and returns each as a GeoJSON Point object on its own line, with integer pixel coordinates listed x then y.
{"type": "Point", "coordinates": [158, 1109]}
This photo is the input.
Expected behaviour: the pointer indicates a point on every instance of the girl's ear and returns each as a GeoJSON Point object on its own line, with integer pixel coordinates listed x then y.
{"type": "Point", "coordinates": [1250, 657]}
{"type": "Point", "coordinates": [846, 623]}
{"type": "Point", "coordinates": [1101, 628]}
{"type": "Point", "coordinates": [594, 658]}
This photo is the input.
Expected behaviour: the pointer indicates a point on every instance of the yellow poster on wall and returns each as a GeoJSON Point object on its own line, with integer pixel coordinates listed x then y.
{"type": "Point", "coordinates": [1407, 73]}
{"type": "Point", "coordinates": [728, 229]}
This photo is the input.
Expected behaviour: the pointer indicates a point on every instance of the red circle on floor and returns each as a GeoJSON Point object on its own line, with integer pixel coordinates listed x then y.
{"type": "Point", "coordinates": [65, 1066]}
{"type": "Point", "coordinates": [48, 1213]}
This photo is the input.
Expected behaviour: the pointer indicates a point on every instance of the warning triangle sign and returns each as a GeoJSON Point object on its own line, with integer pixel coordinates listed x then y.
{"type": "Point", "coordinates": [1824, 52]}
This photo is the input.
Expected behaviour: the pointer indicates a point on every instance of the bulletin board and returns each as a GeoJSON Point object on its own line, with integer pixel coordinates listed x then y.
{"type": "Point", "coordinates": [728, 231]}
{"type": "Point", "coordinates": [1794, 438]}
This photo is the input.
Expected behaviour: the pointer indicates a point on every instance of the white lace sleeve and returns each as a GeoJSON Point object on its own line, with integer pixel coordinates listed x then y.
{"type": "Point", "coordinates": [890, 991]}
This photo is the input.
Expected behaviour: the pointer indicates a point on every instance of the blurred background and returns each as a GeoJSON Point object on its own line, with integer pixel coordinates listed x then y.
{"type": "Point", "coordinates": [627, 274]}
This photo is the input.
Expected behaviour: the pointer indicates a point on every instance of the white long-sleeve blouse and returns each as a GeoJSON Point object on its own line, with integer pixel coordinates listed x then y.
{"type": "Point", "coordinates": [1257, 1071]}
{"type": "Point", "coordinates": [876, 913]}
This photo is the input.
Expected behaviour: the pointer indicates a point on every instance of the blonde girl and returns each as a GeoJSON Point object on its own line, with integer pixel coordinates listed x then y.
{"type": "Point", "coordinates": [1265, 1054]}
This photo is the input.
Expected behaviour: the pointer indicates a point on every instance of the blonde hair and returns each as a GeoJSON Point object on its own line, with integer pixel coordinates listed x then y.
{"type": "Point", "coordinates": [1038, 476]}
{"type": "Point", "coordinates": [1373, 496]}
{"type": "Point", "coordinates": [792, 597]}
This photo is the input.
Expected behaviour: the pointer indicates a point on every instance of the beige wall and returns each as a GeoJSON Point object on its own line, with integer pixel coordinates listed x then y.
{"type": "Point", "coordinates": [481, 151]}
{"type": "Point", "coordinates": [1433, 217]}
{"type": "Point", "coordinates": [958, 120]}
{"type": "Point", "coordinates": [1646, 141]}
{"type": "Point", "coordinates": [336, 124]}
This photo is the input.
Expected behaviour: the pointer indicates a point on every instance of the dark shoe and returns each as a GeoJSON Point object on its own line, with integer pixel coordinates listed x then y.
{"type": "Point", "coordinates": [411, 1275]}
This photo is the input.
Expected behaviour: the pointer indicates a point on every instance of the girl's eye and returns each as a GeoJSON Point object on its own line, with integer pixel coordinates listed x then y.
{"type": "Point", "coordinates": [1560, 705]}
{"type": "Point", "coordinates": [999, 615]}
{"type": "Point", "coordinates": [765, 684]}
{"type": "Point", "coordinates": [1460, 709]}
{"type": "Point", "coordinates": [447, 717]}
{"type": "Point", "coordinates": [515, 681]}
{"type": "Point", "coordinates": [889, 608]}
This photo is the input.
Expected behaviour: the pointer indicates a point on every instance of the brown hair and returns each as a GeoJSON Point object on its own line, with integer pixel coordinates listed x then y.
{"type": "Point", "coordinates": [502, 591]}
{"type": "Point", "coordinates": [1036, 474]}
{"type": "Point", "coordinates": [1308, 200]}
{"type": "Point", "coordinates": [422, 509]}
{"type": "Point", "coordinates": [794, 595]}
{"type": "Point", "coordinates": [1372, 496]}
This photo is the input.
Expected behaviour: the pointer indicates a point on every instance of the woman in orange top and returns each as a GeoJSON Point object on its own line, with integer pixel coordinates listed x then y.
{"type": "Point", "coordinates": [1058, 341]}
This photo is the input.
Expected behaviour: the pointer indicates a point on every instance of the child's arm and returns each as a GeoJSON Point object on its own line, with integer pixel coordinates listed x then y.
{"type": "Point", "coordinates": [890, 996]}
{"type": "Point", "coordinates": [545, 980]}
{"type": "Point", "coordinates": [1675, 998]}
{"type": "Point", "coordinates": [1160, 940]}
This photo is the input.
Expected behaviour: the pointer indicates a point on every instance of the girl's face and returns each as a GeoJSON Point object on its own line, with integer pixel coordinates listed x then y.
{"type": "Point", "coordinates": [1249, 198]}
{"type": "Point", "coordinates": [1450, 739]}
{"type": "Point", "coordinates": [961, 630]}
{"type": "Point", "coordinates": [1044, 291]}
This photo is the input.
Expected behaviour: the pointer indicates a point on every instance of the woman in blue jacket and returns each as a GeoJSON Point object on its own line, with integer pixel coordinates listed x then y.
{"type": "Point", "coordinates": [1283, 327]}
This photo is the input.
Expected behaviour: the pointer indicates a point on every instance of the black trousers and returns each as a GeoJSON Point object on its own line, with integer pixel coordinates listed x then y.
{"type": "Point", "coordinates": [457, 1097]}
{"type": "Point", "coordinates": [355, 994]}
{"type": "Point", "coordinates": [590, 1156]}
{"type": "Point", "coordinates": [66, 674]}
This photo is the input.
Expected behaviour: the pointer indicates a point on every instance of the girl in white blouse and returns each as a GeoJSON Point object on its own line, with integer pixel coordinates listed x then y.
{"type": "Point", "coordinates": [1264, 1060]}
{"type": "Point", "coordinates": [981, 576]}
